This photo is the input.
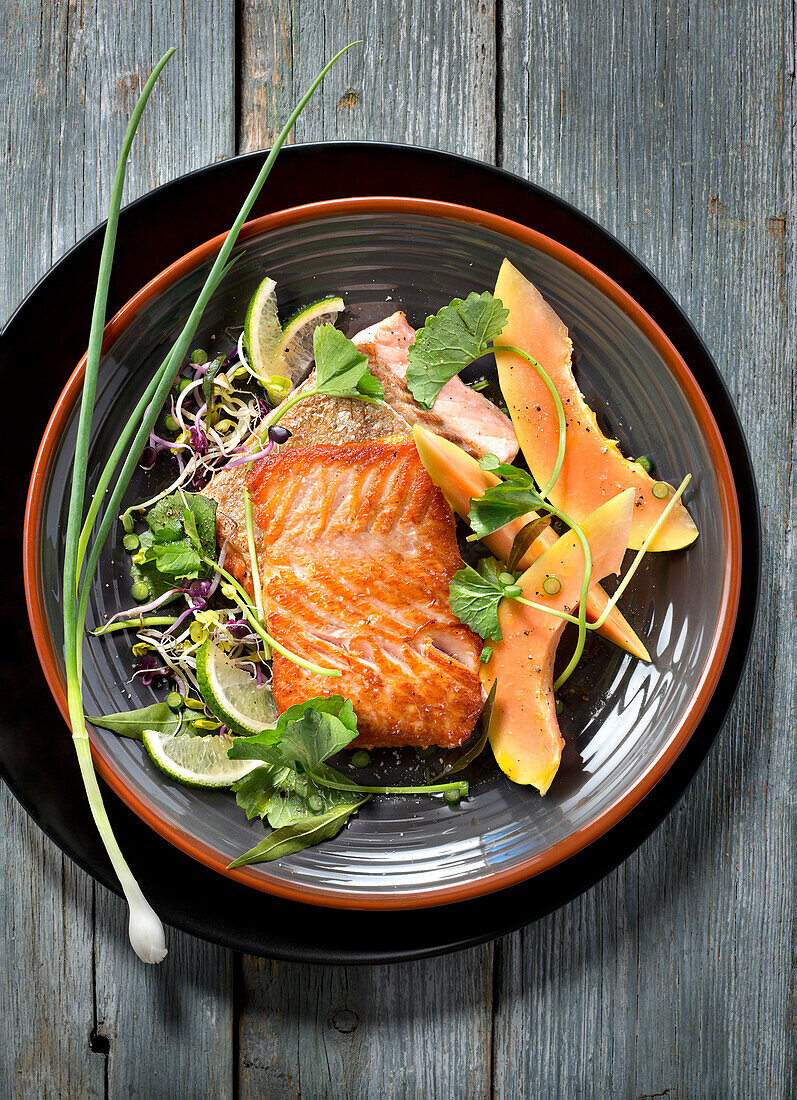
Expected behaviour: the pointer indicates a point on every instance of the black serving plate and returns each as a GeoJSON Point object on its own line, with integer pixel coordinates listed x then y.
{"type": "Point", "coordinates": [153, 232]}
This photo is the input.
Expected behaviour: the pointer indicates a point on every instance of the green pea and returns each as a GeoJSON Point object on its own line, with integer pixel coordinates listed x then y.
{"type": "Point", "coordinates": [183, 384]}
{"type": "Point", "coordinates": [199, 357]}
{"type": "Point", "coordinates": [361, 758]}
{"type": "Point", "coordinates": [140, 591]}
{"type": "Point", "coordinates": [131, 542]}
{"type": "Point", "coordinates": [452, 797]}
{"type": "Point", "coordinates": [316, 803]}
{"type": "Point", "coordinates": [660, 490]}
{"type": "Point", "coordinates": [174, 700]}
{"type": "Point", "coordinates": [172, 425]}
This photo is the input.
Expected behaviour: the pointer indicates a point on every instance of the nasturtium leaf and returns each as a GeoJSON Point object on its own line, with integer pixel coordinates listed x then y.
{"type": "Point", "coordinates": [458, 334]}
{"type": "Point", "coordinates": [474, 597]}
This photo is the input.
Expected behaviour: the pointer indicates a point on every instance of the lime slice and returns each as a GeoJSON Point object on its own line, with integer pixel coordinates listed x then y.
{"type": "Point", "coordinates": [263, 333]}
{"type": "Point", "coordinates": [297, 336]}
{"type": "Point", "coordinates": [196, 761]}
{"type": "Point", "coordinates": [232, 694]}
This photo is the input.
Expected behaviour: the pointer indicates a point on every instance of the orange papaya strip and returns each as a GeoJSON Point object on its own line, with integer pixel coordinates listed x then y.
{"type": "Point", "coordinates": [594, 470]}
{"type": "Point", "coordinates": [524, 731]}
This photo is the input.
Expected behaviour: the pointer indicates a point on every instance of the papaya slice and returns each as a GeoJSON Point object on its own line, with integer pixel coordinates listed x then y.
{"type": "Point", "coordinates": [594, 470]}
{"type": "Point", "coordinates": [524, 732]}
{"type": "Point", "coordinates": [460, 479]}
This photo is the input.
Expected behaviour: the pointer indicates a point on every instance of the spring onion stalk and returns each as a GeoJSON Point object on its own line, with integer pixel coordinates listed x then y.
{"type": "Point", "coordinates": [180, 350]}
{"type": "Point", "coordinates": [145, 929]}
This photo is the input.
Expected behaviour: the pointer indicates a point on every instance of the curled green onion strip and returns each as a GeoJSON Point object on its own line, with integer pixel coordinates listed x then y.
{"type": "Point", "coordinates": [241, 597]}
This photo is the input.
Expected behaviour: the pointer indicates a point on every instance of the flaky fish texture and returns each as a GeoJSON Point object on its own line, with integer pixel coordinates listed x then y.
{"type": "Point", "coordinates": [357, 549]}
{"type": "Point", "coordinates": [460, 414]}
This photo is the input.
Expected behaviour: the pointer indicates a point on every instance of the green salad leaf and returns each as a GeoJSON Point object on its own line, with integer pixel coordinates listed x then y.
{"type": "Point", "coordinates": [458, 334]}
{"type": "Point", "coordinates": [132, 723]}
{"type": "Point", "coordinates": [293, 838]}
{"type": "Point", "coordinates": [340, 369]}
{"type": "Point", "coordinates": [167, 518]}
{"type": "Point", "coordinates": [474, 595]}
{"type": "Point", "coordinates": [181, 535]}
{"type": "Point", "coordinates": [306, 734]}
{"type": "Point", "coordinates": [282, 796]}
{"type": "Point", "coordinates": [300, 807]}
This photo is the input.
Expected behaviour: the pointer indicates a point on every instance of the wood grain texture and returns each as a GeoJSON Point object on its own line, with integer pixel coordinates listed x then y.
{"type": "Point", "coordinates": [672, 125]}
{"type": "Point", "coordinates": [424, 74]}
{"type": "Point", "coordinates": [71, 74]}
{"type": "Point", "coordinates": [413, 1030]}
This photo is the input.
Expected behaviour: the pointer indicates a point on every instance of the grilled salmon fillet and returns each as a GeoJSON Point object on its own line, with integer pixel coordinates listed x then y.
{"type": "Point", "coordinates": [357, 549]}
{"type": "Point", "coordinates": [460, 414]}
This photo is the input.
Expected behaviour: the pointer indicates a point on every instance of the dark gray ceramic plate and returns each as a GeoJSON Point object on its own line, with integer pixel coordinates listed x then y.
{"type": "Point", "coordinates": [624, 722]}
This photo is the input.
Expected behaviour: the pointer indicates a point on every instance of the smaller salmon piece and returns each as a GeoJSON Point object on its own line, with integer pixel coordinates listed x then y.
{"type": "Point", "coordinates": [460, 413]}
{"type": "Point", "coordinates": [357, 548]}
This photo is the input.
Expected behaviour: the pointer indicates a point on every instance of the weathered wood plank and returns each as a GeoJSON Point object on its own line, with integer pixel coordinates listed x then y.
{"type": "Point", "coordinates": [672, 126]}
{"type": "Point", "coordinates": [414, 1030]}
{"type": "Point", "coordinates": [71, 73]}
{"type": "Point", "coordinates": [417, 77]}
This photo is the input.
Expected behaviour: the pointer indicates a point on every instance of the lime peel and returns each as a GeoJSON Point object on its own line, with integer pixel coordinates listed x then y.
{"type": "Point", "coordinates": [196, 761]}
{"type": "Point", "coordinates": [231, 693]}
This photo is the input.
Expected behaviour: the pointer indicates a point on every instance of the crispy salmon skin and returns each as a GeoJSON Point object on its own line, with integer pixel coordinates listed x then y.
{"type": "Point", "coordinates": [357, 549]}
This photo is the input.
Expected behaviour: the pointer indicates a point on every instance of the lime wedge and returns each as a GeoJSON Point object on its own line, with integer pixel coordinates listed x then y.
{"type": "Point", "coordinates": [232, 694]}
{"type": "Point", "coordinates": [297, 336]}
{"type": "Point", "coordinates": [280, 357]}
{"type": "Point", "coordinates": [196, 761]}
{"type": "Point", "coordinates": [263, 333]}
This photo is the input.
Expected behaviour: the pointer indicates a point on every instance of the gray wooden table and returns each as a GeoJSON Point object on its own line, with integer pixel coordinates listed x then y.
{"type": "Point", "coordinates": [671, 123]}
